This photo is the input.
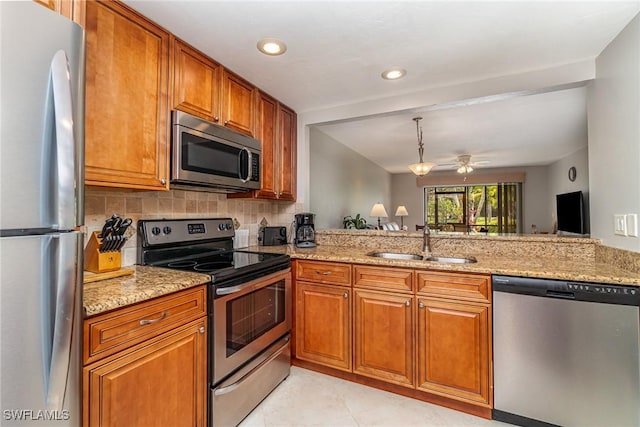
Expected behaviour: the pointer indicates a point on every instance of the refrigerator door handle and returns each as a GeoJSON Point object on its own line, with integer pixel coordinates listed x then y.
{"type": "Point", "coordinates": [65, 142]}
{"type": "Point", "coordinates": [67, 277]}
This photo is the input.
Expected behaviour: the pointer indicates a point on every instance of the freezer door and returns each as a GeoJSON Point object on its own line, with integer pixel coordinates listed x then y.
{"type": "Point", "coordinates": [41, 329]}
{"type": "Point", "coordinates": [42, 129]}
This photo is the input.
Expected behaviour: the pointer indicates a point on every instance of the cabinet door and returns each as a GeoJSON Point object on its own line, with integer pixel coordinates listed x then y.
{"type": "Point", "coordinates": [384, 336]}
{"type": "Point", "coordinates": [287, 154]}
{"type": "Point", "coordinates": [267, 134]}
{"type": "Point", "coordinates": [323, 318]}
{"type": "Point", "coordinates": [127, 67]}
{"type": "Point", "coordinates": [238, 104]}
{"type": "Point", "coordinates": [161, 383]}
{"type": "Point", "coordinates": [63, 7]}
{"type": "Point", "coordinates": [453, 349]}
{"type": "Point", "coordinates": [197, 82]}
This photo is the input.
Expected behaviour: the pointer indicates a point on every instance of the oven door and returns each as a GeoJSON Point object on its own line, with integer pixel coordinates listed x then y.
{"type": "Point", "coordinates": [247, 319]}
{"type": "Point", "coordinates": [202, 159]}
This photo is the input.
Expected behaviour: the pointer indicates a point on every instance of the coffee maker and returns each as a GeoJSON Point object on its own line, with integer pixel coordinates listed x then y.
{"type": "Point", "coordinates": [305, 235]}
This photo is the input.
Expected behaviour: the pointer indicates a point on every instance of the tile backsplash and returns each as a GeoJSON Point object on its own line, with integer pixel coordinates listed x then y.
{"type": "Point", "coordinates": [101, 203]}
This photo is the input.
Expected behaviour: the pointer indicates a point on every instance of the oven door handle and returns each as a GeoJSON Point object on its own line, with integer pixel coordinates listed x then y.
{"type": "Point", "coordinates": [232, 387]}
{"type": "Point", "coordinates": [233, 289]}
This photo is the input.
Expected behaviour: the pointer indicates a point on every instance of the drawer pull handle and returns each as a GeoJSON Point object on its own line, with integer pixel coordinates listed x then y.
{"type": "Point", "coordinates": [324, 273]}
{"type": "Point", "coordinates": [152, 321]}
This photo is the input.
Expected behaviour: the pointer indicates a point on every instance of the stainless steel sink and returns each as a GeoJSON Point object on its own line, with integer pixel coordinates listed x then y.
{"type": "Point", "coordinates": [395, 255]}
{"type": "Point", "coordinates": [451, 260]}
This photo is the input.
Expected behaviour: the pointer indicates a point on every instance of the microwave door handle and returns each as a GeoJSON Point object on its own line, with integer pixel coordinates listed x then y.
{"type": "Point", "coordinates": [248, 177]}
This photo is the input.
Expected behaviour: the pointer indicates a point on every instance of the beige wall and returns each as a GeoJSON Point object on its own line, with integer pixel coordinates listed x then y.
{"type": "Point", "coordinates": [614, 136]}
{"type": "Point", "coordinates": [535, 196]}
{"type": "Point", "coordinates": [342, 182]}
{"type": "Point", "coordinates": [102, 203]}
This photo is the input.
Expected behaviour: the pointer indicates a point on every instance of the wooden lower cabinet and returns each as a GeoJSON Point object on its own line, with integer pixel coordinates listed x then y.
{"type": "Point", "coordinates": [383, 336]}
{"type": "Point", "coordinates": [162, 382]}
{"type": "Point", "coordinates": [420, 333]}
{"type": "Point", "coordinates": [453, 349]}
{"type": "Point", "coordinates": [323, 325]}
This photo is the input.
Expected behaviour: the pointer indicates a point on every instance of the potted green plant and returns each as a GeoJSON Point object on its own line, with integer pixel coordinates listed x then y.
{"type": "Point", "coordinates": [358, 222]}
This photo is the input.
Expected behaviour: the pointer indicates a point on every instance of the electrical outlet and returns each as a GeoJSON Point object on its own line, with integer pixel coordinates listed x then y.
{"type": "Point", "coordinates": [632, 225]}
{"type": "Point", "coordinates": [620, 225]}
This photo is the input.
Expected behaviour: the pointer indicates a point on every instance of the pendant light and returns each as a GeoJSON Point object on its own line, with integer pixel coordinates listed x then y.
{"type": "Point", "coordinates": [420, 168]}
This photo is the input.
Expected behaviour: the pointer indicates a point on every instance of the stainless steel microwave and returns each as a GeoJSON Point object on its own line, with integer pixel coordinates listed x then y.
{"type": "Point", "coordinates": [208, 156]}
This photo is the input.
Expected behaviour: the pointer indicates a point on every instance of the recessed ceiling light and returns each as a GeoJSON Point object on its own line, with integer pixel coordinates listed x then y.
{"type": "Point", "coordinates": [393, 73]}
{"type": "Point", "coordinates": [272, 47]}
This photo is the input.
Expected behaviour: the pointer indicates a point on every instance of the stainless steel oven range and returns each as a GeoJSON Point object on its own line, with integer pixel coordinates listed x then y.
{"type": "Point", "coordinates": [249, 308]}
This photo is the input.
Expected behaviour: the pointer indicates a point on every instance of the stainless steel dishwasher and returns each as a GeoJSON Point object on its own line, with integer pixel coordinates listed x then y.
{"type": "Point", "coordinates": [565, 353]}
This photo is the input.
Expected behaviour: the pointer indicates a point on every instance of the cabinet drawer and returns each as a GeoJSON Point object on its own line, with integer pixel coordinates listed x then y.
{"type": "Point", "coordinates": [109, 333]}
{"type": "Point", "coordinates": [396, 279]}
{"type": "Point", "coordinates": [468, 287]}
{"type": "Point", "coordinates": [324, 272]}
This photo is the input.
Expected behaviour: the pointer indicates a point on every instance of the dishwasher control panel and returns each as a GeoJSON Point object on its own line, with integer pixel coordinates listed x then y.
{"type": "Point", "coordinates": [578, 291]}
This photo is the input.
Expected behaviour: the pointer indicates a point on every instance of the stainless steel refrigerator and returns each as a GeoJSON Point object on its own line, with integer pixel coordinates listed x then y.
{"type": "Point", "coordinates": [41, 207]}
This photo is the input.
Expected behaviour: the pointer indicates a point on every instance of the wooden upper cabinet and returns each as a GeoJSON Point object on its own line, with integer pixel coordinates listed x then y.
{"type": "Point", "coordinates": [127, 83]}
{"type": "Point", "coordinates": [238, 104]}
{"type": "Point", "coordinates": [277, 131]}
{"type": "Point", "coordinates": [197, 81]}
{"type": "Point", "coordinates": [287, 154]}
{"type": "Point", "coordinates": [63, 7]}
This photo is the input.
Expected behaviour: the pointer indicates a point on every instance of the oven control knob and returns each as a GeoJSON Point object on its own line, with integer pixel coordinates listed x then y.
{"type": "Point", "coordinates": [155, 231]}
{"type": "Point", "coordinates": [228, 226]}
{"type": "Point", "coordinates": [166, 230]}
{"type": "Point", "coordinates": [221, 227]}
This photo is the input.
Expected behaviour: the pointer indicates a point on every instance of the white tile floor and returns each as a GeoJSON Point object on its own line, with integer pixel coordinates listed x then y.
{"type": "Point", "coordinates": [308, 398]}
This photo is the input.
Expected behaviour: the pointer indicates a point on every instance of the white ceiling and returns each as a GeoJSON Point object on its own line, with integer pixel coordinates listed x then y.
{"type": "Point", "coordinates": [337, 50]}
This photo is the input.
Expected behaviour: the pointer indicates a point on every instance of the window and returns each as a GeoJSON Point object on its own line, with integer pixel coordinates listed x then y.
{"type": "Point", "coordinates": [493, 208]}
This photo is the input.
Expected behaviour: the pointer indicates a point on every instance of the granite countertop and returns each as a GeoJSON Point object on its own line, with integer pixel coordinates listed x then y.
{"type": "Point", "coordinates": [542, 267]}
{"type": "Point", "coordinates": [144, 284]}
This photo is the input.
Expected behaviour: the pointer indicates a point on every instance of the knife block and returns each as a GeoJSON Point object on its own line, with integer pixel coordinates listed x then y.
{"type": "Point", "coordinates": [100, 262]}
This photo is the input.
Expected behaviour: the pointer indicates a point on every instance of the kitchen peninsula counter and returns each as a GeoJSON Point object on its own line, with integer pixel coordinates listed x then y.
{"type": "Point", "coordinates": [550, 267]}
{"type": "Point", "coordinates": [144, 284]}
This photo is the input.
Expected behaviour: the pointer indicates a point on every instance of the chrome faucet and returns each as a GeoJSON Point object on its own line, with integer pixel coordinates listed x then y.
{"type": "Point", "coordinates": [426, 239]}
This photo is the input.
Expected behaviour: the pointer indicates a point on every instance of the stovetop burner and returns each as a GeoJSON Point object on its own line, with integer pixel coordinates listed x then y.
{"type": "Point", "coordinates": [204, 246]}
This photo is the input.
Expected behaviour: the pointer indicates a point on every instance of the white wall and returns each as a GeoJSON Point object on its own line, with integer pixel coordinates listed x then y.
{"type": "Point", "coordinates": [559, 182]}
{"type": "Point", "coordinates": [614, 136]}
{"type": "Point", "coordinates": [342, 182]}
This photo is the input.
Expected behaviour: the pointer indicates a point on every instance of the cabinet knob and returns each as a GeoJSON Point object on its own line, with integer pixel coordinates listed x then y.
{"type": "Point", "coordinates": [216, 119]}
{"type": "Point", "coordinates": [408, 303]}
{"type": "Point", "coordinates": [346, 295]}
{"type": "Point", "coordinates": [201, 330]}
{"type": "Point", "coordinates": [163, 181]}
{"type": "Point", "coordinates": [421, 305]}
{"type": "Point", "coordinates": [226, 122]}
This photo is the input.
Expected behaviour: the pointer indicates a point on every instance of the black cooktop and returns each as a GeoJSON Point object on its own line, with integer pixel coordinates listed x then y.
{"type": "Point", "coordinates": [203, 246]}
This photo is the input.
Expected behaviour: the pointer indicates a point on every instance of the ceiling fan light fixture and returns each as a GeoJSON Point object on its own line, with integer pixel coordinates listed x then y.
{"type": "Point", "coordinates": [272, 47]}
{"type": "Point", "coordinates": [394, 73]}
{"type": "Point", "coordinates": [421, 168]}
{"type": "Point", "coordinates": [465, 169]}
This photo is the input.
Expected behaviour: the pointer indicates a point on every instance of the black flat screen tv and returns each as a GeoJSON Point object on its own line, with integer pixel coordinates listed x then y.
{"type": "Point", "coordinates": [570, 212]}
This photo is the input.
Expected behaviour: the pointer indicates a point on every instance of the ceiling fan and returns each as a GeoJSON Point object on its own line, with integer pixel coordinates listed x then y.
{"type": "Point", "coordinates": [464, 164]}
